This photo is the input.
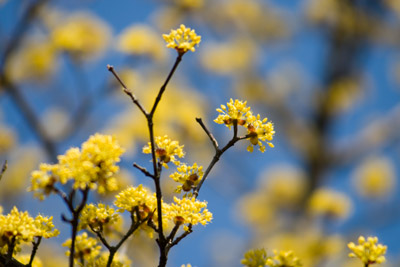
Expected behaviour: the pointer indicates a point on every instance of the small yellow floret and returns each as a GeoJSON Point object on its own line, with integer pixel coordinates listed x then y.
{"type": "Point", "coordinates": [367, 250]}
{"type": "Point", "coordinates": [284, 259]}
{"type": "Point", "coordinates": [188, 176]}
{"type": "Point", "coordinates": [182, 39]}
{"type": "Point", "coordinates": [255, 258]}
{"type": "Point", "coordinates": [166, 150]}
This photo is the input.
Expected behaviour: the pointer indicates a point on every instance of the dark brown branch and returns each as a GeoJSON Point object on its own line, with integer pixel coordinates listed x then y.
{"type": "Point", "coordinates": [143, 170]}
{"type": "Point", "coordinates": [179, 238]}
{"type": "Point", "coordinates": [126, 90]}
{"type": "Point", "coordinates": [209, 134]}
{"type": "Point", "coordinates": [34, 250]}
{"type": "Point", "coordinates": [3, 169]}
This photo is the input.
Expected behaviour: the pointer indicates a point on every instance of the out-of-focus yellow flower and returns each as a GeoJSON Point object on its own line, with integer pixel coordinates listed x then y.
{"type": "Point", "coordinates": [7, 138]}
{"type": "Point", "coordinates": [189, 211]}
{"type": "Point", "coordinates": [186, 265]}
{"type": "Point", "coordinates": [1, 210]}
{"type": "Point", "coordinates": [24, 259]}
{"type": "Point", "coordinates": [368, 251]}
{"type": "Point", "coordinates": [85, 247]}
{"type": "Point", "coordinates": [188, 4]}
{"type": "Point", "coordinates": [55, 121]}
{"type": "Point", "coordinates": [36, 60]}
{"type": "Point", "coordinates": [81, 34]}
{"type": "Point", "coordinates": [226, 58]}
{"type": "Point", "coordinates": [182, 39]}
{"type": "Point", "coordinates": [342, 94]}
{"type": "Point", "coordinates": [91, 167]}
{"type": "Point", "coordinates": [102, 259]}
{"type": "Point", "coordinates": [284, 185]}
{"type": "Point", "coordinates": [188, 176]}
{"type": "Point", "coordinates": [375, 177]}
{"type": "Point", "coordinates": [327, 202]}
{"type": "Point", "coordinates": [166, 150]}
{"type": "Point", "coordinates": [255, 258]}
{"type": "Point", "coordinates": [284, 259]}
{"type": "Point", "coordinates": [140, 40]}
{"type": "Point", "coordinates": [394, 5]}
{"type": "Point", "coordinates": [96, 217]}
{"type": "Point", "coordinates": [19, 226]}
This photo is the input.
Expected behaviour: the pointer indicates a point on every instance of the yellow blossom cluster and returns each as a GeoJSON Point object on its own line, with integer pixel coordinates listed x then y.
{"type": "Point", "coordinates": [284, 259]}
{"type": "Point", "coordinates": [82, 35]}
{"type": "Point", "coordinates": [238, 113]}
{"type": "Point", "coordinates": [91, 167]}
{"type": "Point", "coordinates": [189, 211]}
{"type": "Point", "coordinates": [327, 202]}
{"type": "Point", "coordinates": [86, 247]}
{"type": "Point", "coordinates": [255, 258]}
{"type": "Point", "coordinates": [368, 251]}
{"type": "Point", "coordinates": [18, 226]}
{"type": "Point", "coordinates": [97, 216]}
{"type": "Point", "coordinates": [133, 197]}
{"type": "Point", "coordinates": [24, 259]}
{"type": "Point", "coordinates": [188, 176]}
{"type": "Point", "coordinates": [141, 40]}
{"type": "Point", "coordinates": [101, 260]}
{"type": "Point", "coordinates": [166, 150]}
{"type": "Point", "coordinates": [182, 39]}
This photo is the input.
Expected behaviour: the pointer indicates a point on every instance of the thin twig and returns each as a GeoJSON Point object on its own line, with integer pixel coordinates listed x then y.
{"type": "Point", "coordinates": [126, 90]}
{"type": "Point", "coordinates": [179, 238]}
{"type": "Point", "coordinates": [3, 169]}
{"type": "Point", "coordinates": [143, 170]}
{"type": "Point", "coordinates": [34, 249]}
{"type": "Point", "coordinates": [209, 134]}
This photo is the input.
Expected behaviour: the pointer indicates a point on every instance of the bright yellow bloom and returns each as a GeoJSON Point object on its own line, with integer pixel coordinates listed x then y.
{"type": "Point", "coordinates": [101, 260]}
{"type": "Point", "coordinates": [97, 216]}
{"type": "Point", "coordinates": [368, 251]}
{"type": "Point", "coordinates": [85, 247]}
{"type": "Point", "coordinates": [259, 131]}
{"type": "Point", "coordinates": [144, 201]}
{"type": "Point", "coordinates": [166, 150]}
{"type": "Point", "coordinates": [182, 39]}
{"type": "Point", "coordinates": [23, 228]}
{"type": "Point", "coordinates": [255, 258]}
{"type": "Point", "coordinates": [141, 40]}
{"type": "Point", "coordinates": [82, 34]}
{"type": "Point", "coordinates": [189, 211]}
{"type": "Point", "coordinates": [91, 167]}
{"type": "Point", "coordinates": [327, 202]}
{"type": "Point", "coordinates": [284, 259]}
{"type": "Point", "coordinates": [188, 176]}
{"type": "Point", "coordinates": [237, 113]}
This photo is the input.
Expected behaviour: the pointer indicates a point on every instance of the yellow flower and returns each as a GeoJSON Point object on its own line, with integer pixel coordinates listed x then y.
{"type": "Point", "coordinates": [82, 34]}
{"type": "Point", "coordinates": [188, 211]}
{"type": "Point", "coordinates": [375, 177]}
{"type": "Point", "coordinates": [182, 39]}
{"type": "Point", "coordinates": [97, 216]}
{"type": "Point", "coordinates": [24, 259]}
{"type": "Point", "coordinates": [91, 167]}
{"type": "Point", "coordinates": [166, 150]}
{"type": "Point", "coordinates": [7, 138]}
{"type": "Point", "coordinates": [367, 250]}
{"type": "Point", "coordinates": [101, 260]}
{"type": "Point", "coordinates": [141, 40]}
{"type": "Point", "coordinates": [259, 131]}
{"type": "Point", "coordinates": [237, 113]}
{"type": "Point", "coordinates": [284, 259]}
{"type": "Point", "coordinates": [327, 202]}
{"type": "Point", "coordinates": [36, 60]}
{"type": "Point", "coordinates": [188, 176]}
{"type": "Point", "coordinates": [85, 247]}
{"type": "Point", "coordinates": [255, 258]}
{"type": "Point", "coordinates": [20, 226]}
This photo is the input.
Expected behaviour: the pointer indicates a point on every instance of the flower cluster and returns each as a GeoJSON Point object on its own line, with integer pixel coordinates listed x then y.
{"type": "Point", "coordinates": [237, 113]}
{"type": "Point", "coordinates": [188, 211]}
{"type": "Point", "coordinates": [86, 248]}
{"type": "Point", "coordinates": [18, 226]}
{"type": "Point", "coordinates": [97, 216]}
{"type": "Point", "coordinates": [188, 176]}
{"type": "Point", "coordinates": [91, 167]}
{"type": "Point", "coordinates": [166, 150]}
{"type": "Point", "coordinates": [368, 251]}
{"type": "Point", "coordinates": [101, 260]}
{"type": "Point", "coordinates": [327, 202]}
{"type": "Point", "coordinates": [255, 258]}
{"type": "Point", "coordinates": [284, 259]}
{"type": "Point", "coordinates": [182, 39]}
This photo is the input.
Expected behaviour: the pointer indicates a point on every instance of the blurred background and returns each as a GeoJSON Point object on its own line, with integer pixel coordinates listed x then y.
{"type": "Point", "coordinates": [325, 72]}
